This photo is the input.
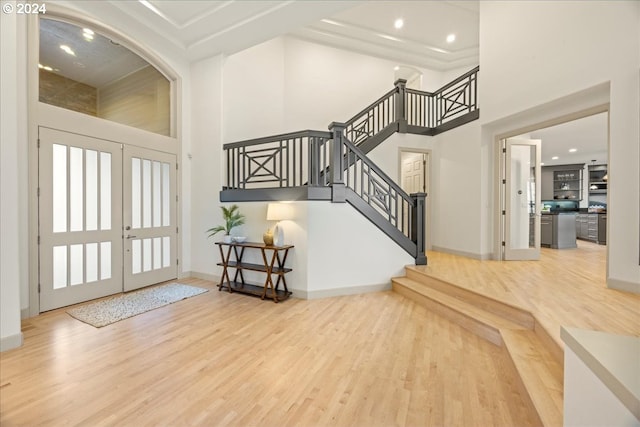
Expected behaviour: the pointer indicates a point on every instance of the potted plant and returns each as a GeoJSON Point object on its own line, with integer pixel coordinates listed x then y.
{"type": "Point", "coordinates": [232, 218]}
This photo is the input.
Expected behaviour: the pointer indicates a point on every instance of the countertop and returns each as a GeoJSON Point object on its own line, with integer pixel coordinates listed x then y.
{"type": "Point", "coordinates": [612, 358]}
{"type": "Point", "coordinates": [559, 213]}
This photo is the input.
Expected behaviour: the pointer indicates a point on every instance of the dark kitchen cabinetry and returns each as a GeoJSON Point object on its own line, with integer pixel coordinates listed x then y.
{"type": "Point", "coordinates": [558, 231]}
{"type": "Point", "coordinates": [562, 182]}
{"type": "Point", "coordinates": [567, 184]}
{"type": "Point", "coordinates": [592, 227]}
{"type": "Point", "coordinates": [598, 179]}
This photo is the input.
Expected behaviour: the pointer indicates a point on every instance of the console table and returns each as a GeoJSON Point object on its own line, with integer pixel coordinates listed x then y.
{"type": "Point", "coordinates": [273, 259]}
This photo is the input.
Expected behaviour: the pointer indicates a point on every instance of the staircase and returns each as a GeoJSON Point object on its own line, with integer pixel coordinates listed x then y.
{"type": "Point", "coordinates": [333, 165]}
{"type": "Point", "coordinates": [536, 358]}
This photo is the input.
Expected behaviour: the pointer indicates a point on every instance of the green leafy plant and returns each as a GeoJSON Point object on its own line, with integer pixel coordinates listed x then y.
{"type": "Point", "coordinates": [232, 218]}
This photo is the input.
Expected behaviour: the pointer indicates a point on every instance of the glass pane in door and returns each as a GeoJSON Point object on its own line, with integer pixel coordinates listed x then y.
{"type": "Point", "coordinates": [523, 196]}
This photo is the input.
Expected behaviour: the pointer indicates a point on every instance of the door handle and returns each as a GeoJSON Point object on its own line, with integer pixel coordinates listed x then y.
{"type": "Point", "coordinates": [130, 236]}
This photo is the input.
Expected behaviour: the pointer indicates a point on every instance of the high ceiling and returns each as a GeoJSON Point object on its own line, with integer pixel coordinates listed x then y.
{"type": "Point", "coordinates": [201, 29]}
{"type": "Point", "coordinates": [206, 28]}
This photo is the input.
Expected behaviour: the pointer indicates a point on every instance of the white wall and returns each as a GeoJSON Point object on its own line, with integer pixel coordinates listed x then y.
{"type": "Point", "coordinates": [205, 166]}
{"type": "Point", "coordinates": [11, 275]}
{"type": "Point", "coordinates": [325, 84]}
{"type": "Point", "coordinates": [279, 86]}
{"type": "Point", "coordinates": [254, 81]}
{"type": "Point", "coordinates": [347, 253]}
{"type": "Point", "coordinates": [533, 53]}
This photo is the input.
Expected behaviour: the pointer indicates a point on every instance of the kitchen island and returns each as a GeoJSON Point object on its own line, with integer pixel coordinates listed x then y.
{"type": "Point", "coordinates": [558, 230]}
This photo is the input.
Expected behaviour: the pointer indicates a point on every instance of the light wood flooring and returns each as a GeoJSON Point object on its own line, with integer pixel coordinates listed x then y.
{"type": "Point", "coordinates": [365, 360]}
{"type": "Point", "coordinates": [376, 359]}
{"type": "Point", "coordinates": [566, 287]}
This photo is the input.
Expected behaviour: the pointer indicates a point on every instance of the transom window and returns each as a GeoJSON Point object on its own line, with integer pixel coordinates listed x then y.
{"type": "Point", "coordinates": [84, 71]}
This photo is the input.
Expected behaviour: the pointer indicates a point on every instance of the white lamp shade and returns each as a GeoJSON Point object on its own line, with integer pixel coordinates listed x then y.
{"type": "Point", "coordinates": [279, 211]}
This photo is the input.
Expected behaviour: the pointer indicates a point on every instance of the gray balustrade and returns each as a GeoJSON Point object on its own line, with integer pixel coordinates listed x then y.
{"type": "Point", "coordinates": [317, 165]}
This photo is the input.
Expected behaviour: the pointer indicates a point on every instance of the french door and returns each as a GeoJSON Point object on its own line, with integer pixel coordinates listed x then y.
{"type": "Point", "coordinates": [86, 190]}
{"type": "Point", "coordinates": [149, 198]}
{"type": "Point", "coordinates": [521, 199]}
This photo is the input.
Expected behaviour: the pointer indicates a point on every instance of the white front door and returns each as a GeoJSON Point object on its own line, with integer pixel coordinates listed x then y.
{"type": "Point", "coordinates": [107, 218]}
{"type": "Point", "coordinates": [150, 233]}
{"type": "Point", "coordinates": [521, 199]}
{"type": "Point", "coordinates": [80, 218]}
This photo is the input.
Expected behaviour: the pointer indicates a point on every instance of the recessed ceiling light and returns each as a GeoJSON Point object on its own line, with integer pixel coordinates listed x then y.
{"type": "Point", "coordinates": [451, 38]}
{"type": "Point", "coordinates": [573, 150]}
{"type": "Point", "coordinates": [399, 23]}
{"type": "Point", "coordinates": [542, 164]}
{"type": "Point", "coordinates": [67, 49]}
{"type": "Point", "coordinates": [396, 68]}
{"type": "Point", "coordinates": [555, 158]}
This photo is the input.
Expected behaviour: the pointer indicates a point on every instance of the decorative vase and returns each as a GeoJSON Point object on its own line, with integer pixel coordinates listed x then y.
{"type": "Point", "coordinates": [226, 238]}
{"type": "Point", "coordinates": [267, 237]}
{"type": "Point", "coordinates": [278, 235]}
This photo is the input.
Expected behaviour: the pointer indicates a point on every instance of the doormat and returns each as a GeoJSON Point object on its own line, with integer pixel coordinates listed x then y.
{"type": "Point", "coordinates": [111, 310]}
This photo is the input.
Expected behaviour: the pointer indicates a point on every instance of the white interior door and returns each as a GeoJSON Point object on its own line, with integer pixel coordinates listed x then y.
{"type": "Point", "coordinates": [414, 178]}
{"type": "Point", "coordinates": [80, 221]}
{"type": "Point", "coordinates": [413, 172]}
{"type": "Point", "coordinates": [150, 233]}
{"type": "Point", "coordinates": [522, 199]}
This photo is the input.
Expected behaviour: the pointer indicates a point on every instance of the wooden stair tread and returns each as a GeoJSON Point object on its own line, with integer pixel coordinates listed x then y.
{"type": "Point", "coordinates": [458, 305]}
{"type": "Point", "coordinates": [500, 308]}
{"type": "Point", "coordinates": [539, 369]}
{"type": "Point", "coordinates": [541, 374]}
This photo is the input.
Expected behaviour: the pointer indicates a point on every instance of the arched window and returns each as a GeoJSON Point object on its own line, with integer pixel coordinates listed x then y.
{"type": "Point", "coordinates": [84, 71]}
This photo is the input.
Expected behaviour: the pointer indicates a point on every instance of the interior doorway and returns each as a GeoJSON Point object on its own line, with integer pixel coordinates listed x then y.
{"type": "Point", "coordinates": [414, 178]}
{"type": "Point", "coordinates": [580, 138]}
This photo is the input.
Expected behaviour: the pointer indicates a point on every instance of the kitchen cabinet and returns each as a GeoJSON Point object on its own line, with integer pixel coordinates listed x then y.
{"type": "Point", "coordinates": [598, 179]}
{"type": "Point", "coordinates": [567, 184]}
{"type": "Point", "coordinates": [558, 231]}
{"type": "Point", "coordinates": [563, 182]}
{"type": "Point", "coordinates": [582, 226]}
{"type": "Point", "coordinates": [592, 227]}
{"type": "Point", "coordinates": [546, 183]}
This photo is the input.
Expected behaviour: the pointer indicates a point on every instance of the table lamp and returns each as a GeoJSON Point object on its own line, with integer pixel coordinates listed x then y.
{"type": "Point", "coordinates": [277, 212]}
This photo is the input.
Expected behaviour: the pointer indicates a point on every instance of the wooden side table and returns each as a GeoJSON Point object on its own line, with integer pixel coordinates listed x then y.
{"type": "Point", "coordinates": [273, 260]}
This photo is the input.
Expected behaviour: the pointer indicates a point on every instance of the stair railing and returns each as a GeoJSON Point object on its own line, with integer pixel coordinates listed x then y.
{"type": "Point", "coordinates": [373, 119]}
{"type": "Point", "coordinates": [378, 197]}
{"type": "Point", "coordinates": [450, 102]}
{"type": "Point", "coordinates": [281, 161]}
{"type": "Point", "coordinates": [335, 166]}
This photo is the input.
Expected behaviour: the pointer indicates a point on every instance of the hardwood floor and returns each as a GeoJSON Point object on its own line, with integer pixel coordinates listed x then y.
{"type": "Point", "coordinates": [364, 360]}
{"type": "Point", "coordinates": [565, 288]}
{"type": "Point", "coordinates": [220, 359]}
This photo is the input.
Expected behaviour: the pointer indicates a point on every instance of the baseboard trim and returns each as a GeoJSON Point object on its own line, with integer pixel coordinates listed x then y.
{"type": "Point", "coordinates": [623, 285]}
{"type": "Point", "coordinates": [11, 342]}
{"type": "Point", "coordinates": [302, 293]}
{"type": "Point", "coordinates": [481, 257]}
{"type": "Point", "coordinates": [336, 292]}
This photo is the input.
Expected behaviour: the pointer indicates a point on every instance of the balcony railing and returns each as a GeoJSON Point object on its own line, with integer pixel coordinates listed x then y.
{"type": "Point", "coordinates": [317, 165]}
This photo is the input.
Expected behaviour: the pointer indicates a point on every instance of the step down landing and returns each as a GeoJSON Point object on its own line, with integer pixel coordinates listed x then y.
{"type": "Point", "coordinates": [539, 369]}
